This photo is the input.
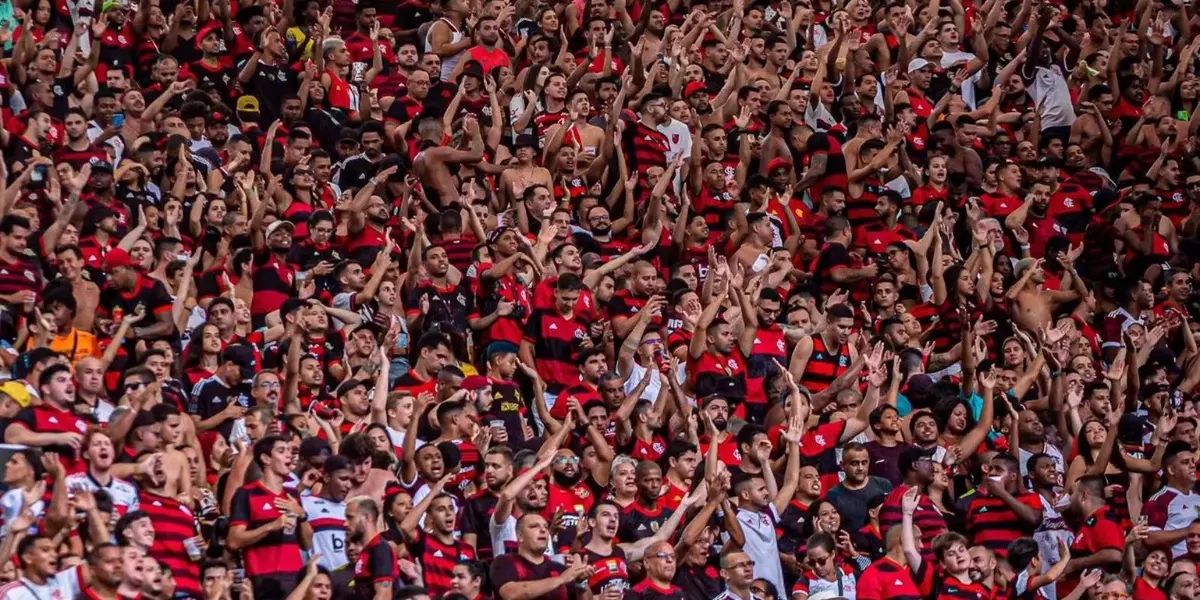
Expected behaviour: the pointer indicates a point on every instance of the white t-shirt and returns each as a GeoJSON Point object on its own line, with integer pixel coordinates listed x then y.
{"type": "Point", "coordinates": [1171, 510]}
{"type": "Point", "coordinates": [328, 521]}
{"type": "Point", "coordinates": [762, 544]}
{"type": "Point", "coordinates": [11, 504]}
{"type": "Point", "coordinates": [1052, 529]}
{"type": "Point", "coordinates": [968, 88]}
{"type": "Point", "coordinates": [64, 585]}
{"type": "Point", "coordinates": [1048, 88]}
{"type": "Point", "coordinates": [656, 380]}
{"type": "Point", "coordinates": [1059, 462]}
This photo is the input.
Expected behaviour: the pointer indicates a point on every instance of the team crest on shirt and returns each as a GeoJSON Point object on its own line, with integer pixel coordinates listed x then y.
{"type": "Point", "coordinates": [780, 345]}
{"type": "Point", "coordinates": [29, 276]}
{"type": "Point", "coordinates": [579, 333]}
{"type": "Point", "coordinates": [657, 447]}
{"type": "Point", "coordinates": [582, 492]}
{"type": "Point", "coordinates": [733, 367]}
{"type": "Point", "coordinates": [81, 426]}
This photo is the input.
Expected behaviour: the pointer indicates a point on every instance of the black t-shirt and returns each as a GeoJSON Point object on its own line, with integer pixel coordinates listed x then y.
{"type": "Point", "coordinates": [638, 523]}
{"type": "Point", "coordinates": [211, 396]}
{"type": "Point", "coordinates": [852, 504]}
{"type": "Point", "coordinates": [148, 292]}
{"type": "Point", "coordinates": [699, 582]}
{"type": "Point", "coordinates": [271, 83]}
{"type": "Point", "coordinates": [477, 512]}
{"type": "Point", "coordinates": [450, 306]}
{"type": "Point", "coordinates": [885, 461]}
{"type": "Point", "coordinates": [62, 89]}
{"type": "Point", "coordinates": [356, 171]}
{"type": "Point", "coordinates": [513, 568]}
{"type": "Point", "coordinates": [377, 563]}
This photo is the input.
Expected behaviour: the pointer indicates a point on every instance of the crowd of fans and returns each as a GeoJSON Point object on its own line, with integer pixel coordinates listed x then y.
{"type": "Point", "coordinates": [599, 299]}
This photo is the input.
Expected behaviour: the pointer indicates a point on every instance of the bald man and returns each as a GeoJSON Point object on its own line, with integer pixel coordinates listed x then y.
{"type": "Point", "coordinates": [660, 571]}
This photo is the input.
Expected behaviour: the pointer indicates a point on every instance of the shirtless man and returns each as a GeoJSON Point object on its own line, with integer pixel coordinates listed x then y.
{"type": "Point", "coordinates": [1089, 128]}
{"type": "Point", "coordinates": [87, 294]}
{"type": "Point", "coordinates": [576, 131]}
{"type": "Point", "coordinates": [172, 477]}
{"type": "Point", "coordinates": [1032, 306]}
{"type": "Point", "coordinates": [757, 244]}
{"type": "Point", "coordinates": [514, 180]}
{"type": "Point", "coordinates": [432, 163]}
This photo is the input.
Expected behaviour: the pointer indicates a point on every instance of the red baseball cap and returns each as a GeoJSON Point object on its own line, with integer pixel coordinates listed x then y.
{"type": "Point", "coordinates": [117, 258]}
{"type": "Point", "coordinates": [778, 163]}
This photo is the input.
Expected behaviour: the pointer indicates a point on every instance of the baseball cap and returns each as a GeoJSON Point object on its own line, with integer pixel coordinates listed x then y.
{"type": "Point", "coordinates": [314, 446]}
{"type": "Point", "coordinates": [779, 163]}
{"type": "Point", "coordinates": [525, 140]}
{"type": "Point", "coordinates": [475, 382]}
{"type": "Point", "coordinates": [17, 391]}
{"type": "Point", "coordinates": [101, 165]}
{"type": "Point", "coordinates": [917, 64]}
{"type": "Point", "coordinates": [242, 356]}
{"type": "Point", "coordinates": [347, 386]}
{"type": "Point", "coordinates": [248, 104]}
{"type": "Point", "coordinates": [117, 257]}
{"type": "Point", "coordinates": [910, 456]}
{"type": "Point", "coordinates": [694, 87]}
{"type": "Point", "coordinates": [205, 32]}
{"type": "Point", "coordinates": [275, 226]}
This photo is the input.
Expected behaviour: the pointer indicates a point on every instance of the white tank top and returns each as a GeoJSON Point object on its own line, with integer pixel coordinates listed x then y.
{"type": "Point", "coordinates": [449, 63]}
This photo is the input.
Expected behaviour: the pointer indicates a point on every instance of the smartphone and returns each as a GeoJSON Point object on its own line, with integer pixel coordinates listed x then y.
{"type": "Point", "coordinates": [118, 119]}
{"type": "Point", "coordinates": [39, 174]}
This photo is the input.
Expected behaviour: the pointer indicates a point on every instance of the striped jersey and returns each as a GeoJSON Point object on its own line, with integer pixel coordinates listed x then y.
{"type": "Point", "coordinates": [328, 521]}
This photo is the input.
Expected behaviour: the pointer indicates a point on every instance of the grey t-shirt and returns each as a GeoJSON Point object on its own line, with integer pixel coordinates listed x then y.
{"type": "Point", "coordinates": [852, 504]}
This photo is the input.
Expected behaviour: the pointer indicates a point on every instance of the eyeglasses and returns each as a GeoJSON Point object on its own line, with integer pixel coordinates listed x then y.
{"type": "Point", "coordinates": [663, 556]}
{"type": "Point", "coordinates": [302, 173]}
{"type": "Point", "coordinates": [134, 385]}
{"type": "Point", "coordinates": [746, 564]}
{"type": "Point", "coordinates": [564, 460]}
{"type": "Point", "coordinates": [270, 385]}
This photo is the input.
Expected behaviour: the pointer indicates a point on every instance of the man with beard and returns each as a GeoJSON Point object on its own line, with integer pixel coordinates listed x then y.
{"type": "Point", "coordinates": [375, 570]}
{"type": "Point", "coordinates": [1171, 511]}
{"type": "Point", "coordinates": [853, 495]}
{"type": "Point", "coordinates": [435, 546]}
{"type": "Point", "coordinates": [436, 300]}
{"type": "Point", "coordinates": [983, 568]}
{"type": "Point", "coordinates": [99, 454]}
{"type": "Point", "coordinates": [528, 572]}
{"type": "Point", "coordinates": [644, 145]}
{"type": "Point", "coordinates": [218, 401]}
{"type": "Point", "coordinates": [1032, 434]}
{"type": "Point", "coordinates": [273, 276]}
{"type": "Point", "coordinates": [1002, 510]}
{"type": "Point", "coordinates": [353, 173]}
{"type": "Point", "coordinates": [78, 149]}
{"type": "Point", "coordinates": [916, 469]}
{"type": "Point", "coordinates": [369, 216]}
{"type": "Point", "coordinates": [103, 222]}
{"type": "Point", "coordinates": [104, 564]}
{"type": "Point", "coordinates": [433, 162]}
{"type": "Point", "coordinates": [610, 560]}
{"type": "Point", "coordinates": [477, 513]}
{"type": "Point", "coordinates": [713, 357]}
{"type": "Point", "coordinates": [52, 425]}
{"type": "Point", "coordinates": [526, 494]}
{"type": "Point", "coordinates": [886, 228]}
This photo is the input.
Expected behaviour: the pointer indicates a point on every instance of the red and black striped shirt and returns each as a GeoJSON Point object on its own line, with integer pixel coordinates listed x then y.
{"type": "Point", "coordinates": [277, 553]}
{"type": "Point", "coordinates": [992, 524]}
{"type": "Point", "coordinates": [173, 523]}
{"type": "Point", "coordinates": [824, 365]}
{"type": "Point", "coordinates": [646, 147]}
{"type": "Point", "coordinates": [437, 560]}
{"type": "Point", "coordinates": [556, 342]}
